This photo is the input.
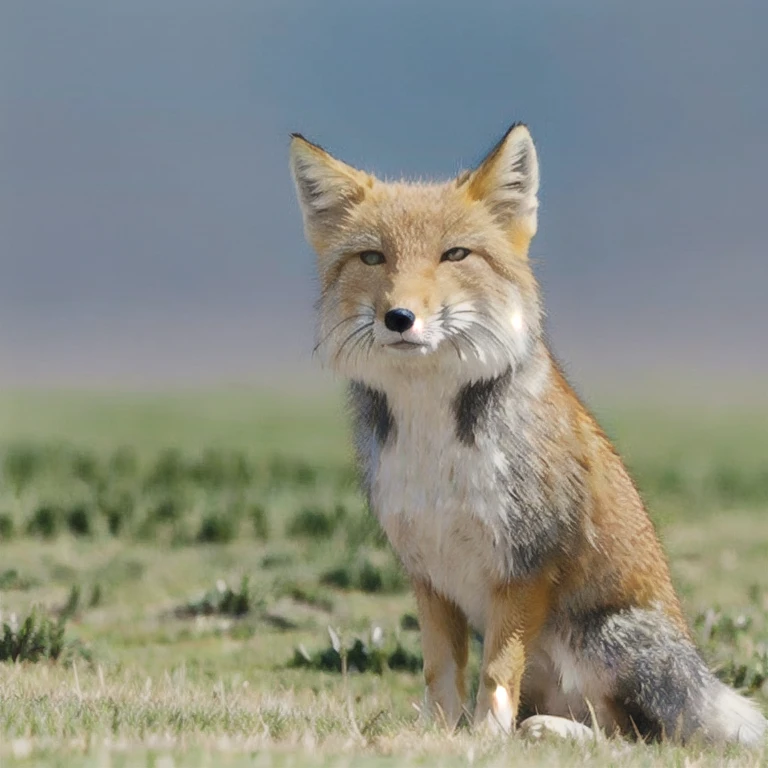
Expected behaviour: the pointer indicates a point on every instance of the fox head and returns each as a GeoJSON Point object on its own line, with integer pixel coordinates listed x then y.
{"type": "Point", "coordinates": [416, 277]}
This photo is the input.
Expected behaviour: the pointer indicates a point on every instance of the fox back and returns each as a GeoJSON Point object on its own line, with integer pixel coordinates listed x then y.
{"type": "Point", "coordinates": [507, 505]}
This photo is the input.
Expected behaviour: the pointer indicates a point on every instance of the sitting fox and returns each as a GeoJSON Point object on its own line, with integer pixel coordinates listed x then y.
{"type": "Point", "coordinates": [510, 509]}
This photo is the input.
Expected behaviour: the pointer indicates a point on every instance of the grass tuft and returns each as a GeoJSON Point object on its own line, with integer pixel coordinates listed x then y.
{"type": "Point", "coordinates": [358, 656]}
{"type": "Point", "coordinates": [37, 638]}
{"type": "Point", "coordinates": [222, 600]}
{"type": "Point", "coordinates": [315, 523]}
{"type": "Point", "coordinates": [366, 576]}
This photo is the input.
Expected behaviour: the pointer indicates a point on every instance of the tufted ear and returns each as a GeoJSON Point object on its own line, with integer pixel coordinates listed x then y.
{"type": "Point", "coordinates": [326, 187]}
{"type": "Point", "coordinates": [507, 180]}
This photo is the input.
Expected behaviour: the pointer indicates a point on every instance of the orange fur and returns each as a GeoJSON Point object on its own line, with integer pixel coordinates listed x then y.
{"type": "Point", "coordinates": [518, 612]}
{"type": "Point", "coordinates": [445, 640]}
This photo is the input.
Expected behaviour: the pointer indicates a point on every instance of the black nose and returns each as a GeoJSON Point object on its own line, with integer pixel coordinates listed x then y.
{"type": "Point", "coordinates": [399, 320]}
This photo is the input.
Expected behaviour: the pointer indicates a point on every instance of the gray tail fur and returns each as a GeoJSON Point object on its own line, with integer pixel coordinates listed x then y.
{"type": "Point", "coordinates": [657, 679]}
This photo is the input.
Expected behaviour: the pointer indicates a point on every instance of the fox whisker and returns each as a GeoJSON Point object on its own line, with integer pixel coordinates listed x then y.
{"type": "Point", "coordinates": [338, 325]}
{"type": "Point", "coordinates": [356, 334]}
{"type": "Point", "coordinates": [481, 323]}
{"type": "Point", "coordinates": [360, 340]}
{"type": "Point", "coordinates": [455, 345]}
{"type": "Point", "coordinates": [462, 334]}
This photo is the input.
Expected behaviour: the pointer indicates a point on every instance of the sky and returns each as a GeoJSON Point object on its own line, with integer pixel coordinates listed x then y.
{"type": "Point", "coordinates": [149, 234]}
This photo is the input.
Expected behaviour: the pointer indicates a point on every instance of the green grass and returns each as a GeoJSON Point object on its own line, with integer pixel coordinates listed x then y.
{"type": "Point", "coordinates": [185, 556]}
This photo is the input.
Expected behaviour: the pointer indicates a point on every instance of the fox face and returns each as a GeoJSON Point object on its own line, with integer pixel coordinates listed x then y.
{"type": "Point", "coordinates": [417, 277]}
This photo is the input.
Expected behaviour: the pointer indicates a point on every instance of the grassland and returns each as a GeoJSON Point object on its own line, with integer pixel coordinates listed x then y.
{"type": "Point", "coordinates": [185, 554]}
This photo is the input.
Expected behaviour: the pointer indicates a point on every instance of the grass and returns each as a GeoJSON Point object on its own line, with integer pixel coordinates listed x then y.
{"type": "Point", "coordinates": [211, 591]}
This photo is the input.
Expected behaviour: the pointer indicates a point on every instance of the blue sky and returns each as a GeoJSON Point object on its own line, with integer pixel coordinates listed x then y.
{"type": "Point", "coordinates": [149, 231]}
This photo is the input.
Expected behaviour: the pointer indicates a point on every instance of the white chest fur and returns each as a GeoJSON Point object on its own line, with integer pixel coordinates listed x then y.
{"type": "Point", "coordinates": [439, 500]}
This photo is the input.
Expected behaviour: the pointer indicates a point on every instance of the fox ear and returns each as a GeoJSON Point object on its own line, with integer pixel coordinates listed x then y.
{"type": "Point", "coordinates": [326, 187]}
{"type": "Point", "coordinates": [507, 180]}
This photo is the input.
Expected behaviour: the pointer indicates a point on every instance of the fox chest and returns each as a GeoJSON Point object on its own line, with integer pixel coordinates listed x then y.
{"type": "Point", "coordinates": [440, 504]}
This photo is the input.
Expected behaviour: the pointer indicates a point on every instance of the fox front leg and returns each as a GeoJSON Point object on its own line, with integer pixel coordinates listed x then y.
{"type": "Point", "coordinates": [445, 647]}
{"type": "Point", "coordinates": [516, 614]}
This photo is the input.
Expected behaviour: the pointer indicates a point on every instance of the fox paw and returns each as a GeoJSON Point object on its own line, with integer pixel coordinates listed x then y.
{"type": "Point", "coordinates": [497, 717]}
{"type": "Point", "coordinates": [538, 726]}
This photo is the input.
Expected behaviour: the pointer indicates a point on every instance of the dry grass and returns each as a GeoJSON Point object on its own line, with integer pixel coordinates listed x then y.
{"type": "Point", "coordinates": [180, 671]}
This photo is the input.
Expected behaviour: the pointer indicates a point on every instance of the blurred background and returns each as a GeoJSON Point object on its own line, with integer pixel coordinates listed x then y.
{"type": "Point", "coordinates": [149, 233]}
{"type": "Point", "coordinates": [180, 519]}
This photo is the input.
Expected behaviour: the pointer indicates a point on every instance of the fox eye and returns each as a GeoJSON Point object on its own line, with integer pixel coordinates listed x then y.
{"type": "Point", "coordinates": [455, 254]}
{"type": "Point", "coordinates": [371, 258]}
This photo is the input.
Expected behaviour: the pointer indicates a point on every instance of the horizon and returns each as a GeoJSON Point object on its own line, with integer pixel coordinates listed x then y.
{"type": "Point", "coordinates": [150, 233]}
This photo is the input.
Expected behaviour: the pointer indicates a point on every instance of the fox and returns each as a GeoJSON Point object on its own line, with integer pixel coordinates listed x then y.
{"type": "Point", "coordinates": [509, 508]}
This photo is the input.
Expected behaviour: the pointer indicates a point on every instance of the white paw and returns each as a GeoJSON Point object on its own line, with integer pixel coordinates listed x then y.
{"type": "Point", "coordinates": [540, 725]}
{"type": "Point", "coordinates": [500, 717]}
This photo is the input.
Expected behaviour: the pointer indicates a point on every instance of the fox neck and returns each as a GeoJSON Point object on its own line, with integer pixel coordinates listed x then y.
{"type": "Point", "coordinates": [435, 390]}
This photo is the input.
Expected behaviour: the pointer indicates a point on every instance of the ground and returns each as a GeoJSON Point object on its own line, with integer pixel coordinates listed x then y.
{"type": "Point", "coordinates": [195, 549]}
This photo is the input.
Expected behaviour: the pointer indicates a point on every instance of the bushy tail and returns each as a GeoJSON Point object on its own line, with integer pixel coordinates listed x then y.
{"type": "Point", "coordinates": [658, 680]}
{"type": "Point", "coordinates": [731, 717]}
